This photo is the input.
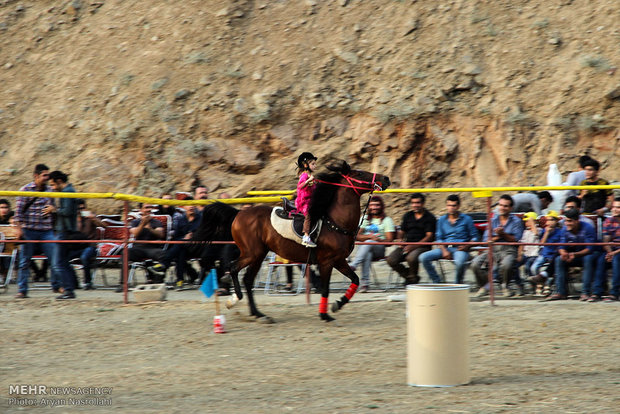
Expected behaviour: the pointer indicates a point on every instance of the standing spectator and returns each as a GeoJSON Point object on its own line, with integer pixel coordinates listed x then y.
{"type": "Point", "coordinates": [375, 227]}
{"type": "Point", "coordinates": [34, 220]}
{"type": "Point", "coordinates": [595, 201]}
{"type": "Point", "coordinates": [576, 177]}
{"type": "Point", "coordinates": [611, 254]}
{"type": "Point", "coordinates": [527, 254]}
{"type": "Point", "coordinates": [570, 255]}
{"type": "Point", "coordinates": [536, 202]}
{"type": "Point", "coordinates": [542, 269]}
{"type": "Point", "coordinates": [451, 227]}
{"type": "Point", "coordinates": [505, 227]}
{"type": "Point", "coordinates": [418, 225]}
{"type": "Point", "coordinates": [66, 226]}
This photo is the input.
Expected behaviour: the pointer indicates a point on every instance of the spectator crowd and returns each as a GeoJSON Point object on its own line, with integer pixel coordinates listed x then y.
{"type": "Point", "coordinates": [521, 224]}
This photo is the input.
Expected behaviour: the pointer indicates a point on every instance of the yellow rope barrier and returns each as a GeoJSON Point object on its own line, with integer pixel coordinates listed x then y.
{"type": "Point", "coordinates": [270, 195]}
{"type": "Point", "coordinates": [139, 199]}
{"type": "Point", "coordinates": [464, 189]}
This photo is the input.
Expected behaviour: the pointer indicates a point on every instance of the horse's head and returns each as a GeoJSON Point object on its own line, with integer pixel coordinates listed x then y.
{"type": "Point", "coordinates": [360, 181]}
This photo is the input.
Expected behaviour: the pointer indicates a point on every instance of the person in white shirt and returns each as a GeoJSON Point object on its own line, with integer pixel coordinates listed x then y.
{"type": "Point", "coordinates": [376, 227]}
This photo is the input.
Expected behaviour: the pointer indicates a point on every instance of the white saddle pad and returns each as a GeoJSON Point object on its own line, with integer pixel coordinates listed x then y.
{"type": "Point", "coordinates": [285, 227]}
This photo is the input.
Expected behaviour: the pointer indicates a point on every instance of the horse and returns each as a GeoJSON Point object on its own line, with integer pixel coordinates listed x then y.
{"type": "Point", "coordinates": [336, 201]}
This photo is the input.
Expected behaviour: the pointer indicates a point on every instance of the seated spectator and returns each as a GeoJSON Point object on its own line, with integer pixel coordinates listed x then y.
{"type": "Point", "coordinates": [536, 202]}
{"type": "Point", "coordinates": [200, 193]}
{"type": "Point", "coordinates": [183, 227]}
{"type": "Point", "coordinates": [611, 254]}
{"type": "Point", "coordinates": [5, 216]}
{"type": "Point", "coordinates": [452, 227]}
{"type": "Point", "coordinates": [505, 227]}
{"type": "Point", "coordinates": [87, 224]}
{"type": "Point", "coordinates": [5, 211]}
{"type": "Point", "coordinates": [527, 254]}
{"type": "Point", "coordinates": [10, 233]}
{"type": "Point", "coordinates": [595, 201]}
{"type": "Point", "coordinates": [146, 228]}
{"type": "Point", "coordinates": [418, 225]}
{"type": "Point", "coordinates": [542, 269]}
{"type": "Point", "coordinates": [375, 227]}
{"type": "Point", "coordinates": [166, 209]}
{"type": "Point", "coordinates": [575, 202]}
{"type": "Point", "coordinates": [570, 255]}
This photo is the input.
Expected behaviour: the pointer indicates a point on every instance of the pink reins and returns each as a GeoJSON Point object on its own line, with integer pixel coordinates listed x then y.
{"type": "Point", "coordinates": [373, 186]}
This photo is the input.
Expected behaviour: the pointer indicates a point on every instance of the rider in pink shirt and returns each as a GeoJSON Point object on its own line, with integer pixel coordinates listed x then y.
{"type": "Point", "coordinates": [306, 163]}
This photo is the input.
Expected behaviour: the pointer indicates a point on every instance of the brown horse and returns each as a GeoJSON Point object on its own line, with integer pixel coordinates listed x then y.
{"type": "Point", "coordinates": [336, 200]}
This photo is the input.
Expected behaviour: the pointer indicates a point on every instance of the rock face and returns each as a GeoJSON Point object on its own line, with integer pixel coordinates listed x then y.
{"type": "Point", "coordinates": [145, 97]}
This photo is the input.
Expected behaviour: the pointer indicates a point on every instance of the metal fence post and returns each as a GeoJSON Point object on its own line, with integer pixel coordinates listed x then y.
{"type": "Point", "coordinates": [490, 252]}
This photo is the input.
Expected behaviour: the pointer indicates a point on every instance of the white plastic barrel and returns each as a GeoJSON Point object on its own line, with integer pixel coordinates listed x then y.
{"type": "Point", "coordinates": [437, 335]}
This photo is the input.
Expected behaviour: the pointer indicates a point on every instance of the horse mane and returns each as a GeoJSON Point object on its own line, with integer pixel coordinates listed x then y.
{"type": "Point", "coordinates": [215, 223]}
{"type": "Point", "coordinates": [324, 193]}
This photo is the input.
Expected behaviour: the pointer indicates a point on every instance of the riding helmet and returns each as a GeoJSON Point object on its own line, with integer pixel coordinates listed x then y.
{"type": "Point", "coordinates": [305, 157]}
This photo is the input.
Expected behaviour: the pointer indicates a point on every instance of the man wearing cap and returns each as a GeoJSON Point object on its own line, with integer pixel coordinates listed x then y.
{"type": "Point", "coordinates": [505, 227]}
{"type": "Point", "coordinates": [611, 254]}
{"type": "Point", "coordinates": [571, 255]}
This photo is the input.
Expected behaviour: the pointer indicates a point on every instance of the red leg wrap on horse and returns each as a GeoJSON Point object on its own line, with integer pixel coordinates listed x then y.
{"type": "Point", "coordinates": [351, 291]}
{"type": "Point", "coordinates": [323, 305]}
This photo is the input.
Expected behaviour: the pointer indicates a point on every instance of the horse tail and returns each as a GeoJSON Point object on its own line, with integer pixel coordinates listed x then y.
{"type": "Point", "coordinates": [216, 223]}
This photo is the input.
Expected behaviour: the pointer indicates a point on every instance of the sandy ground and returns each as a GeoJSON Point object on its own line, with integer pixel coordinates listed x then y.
{"type": "Point", "coordinates": [526, 356]}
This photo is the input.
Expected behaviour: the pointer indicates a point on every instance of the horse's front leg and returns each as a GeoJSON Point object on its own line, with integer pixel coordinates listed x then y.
{"type": "Point", "coordinates": [326, 274]}
{"type": "Point", "coordinates": [344, 268]}
{"type": "Point", "coordinates": [238, 294]}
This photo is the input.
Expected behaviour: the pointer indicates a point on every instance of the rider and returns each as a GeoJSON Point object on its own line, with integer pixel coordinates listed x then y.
{"type": "Point", "coordinates": [306, 164]}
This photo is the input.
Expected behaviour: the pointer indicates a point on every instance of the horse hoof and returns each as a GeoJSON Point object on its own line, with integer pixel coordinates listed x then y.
{"type": "Point", "coordinates": [265, 320]}
{"type": "Point", "coordinates": [232, 301]}
{"type": "Point", "coordinates": [325, 317]}
{"type": "Point", "coordinates": [335, 307]}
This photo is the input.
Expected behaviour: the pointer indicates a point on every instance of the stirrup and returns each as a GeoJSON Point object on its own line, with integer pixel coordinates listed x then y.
{"type": "Point", "coordinates": [307, 241]}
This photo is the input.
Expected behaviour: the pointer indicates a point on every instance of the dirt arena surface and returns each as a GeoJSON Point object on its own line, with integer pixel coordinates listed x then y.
{"type": "Point", "coordinates": [526, 356]}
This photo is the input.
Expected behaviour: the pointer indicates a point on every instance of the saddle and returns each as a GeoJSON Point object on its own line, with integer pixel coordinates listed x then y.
{"type": "Point", "coordinates": [289, 224]}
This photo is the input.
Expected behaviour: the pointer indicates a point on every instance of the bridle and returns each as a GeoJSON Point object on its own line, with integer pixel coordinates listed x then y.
{"type": "Point", "coordinates": [372, 185]}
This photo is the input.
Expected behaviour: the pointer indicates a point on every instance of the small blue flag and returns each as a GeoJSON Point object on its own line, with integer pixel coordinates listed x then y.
{"type": "Point", "coordinates": [209, 285]}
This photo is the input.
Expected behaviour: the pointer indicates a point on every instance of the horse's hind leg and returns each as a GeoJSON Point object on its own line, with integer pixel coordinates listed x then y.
{"type": "Point", "coordinates": [234, 274]}
{"type": "Point", "coordinates": [344, 268]}
{"type": "Point", "coordinates": [248, 282]}
{"type": "Point", "coordinates": [326, 274]}
{"type": "Point", "coordinates": [238, 295]}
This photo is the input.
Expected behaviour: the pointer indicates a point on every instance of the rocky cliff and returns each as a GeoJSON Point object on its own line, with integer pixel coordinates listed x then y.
{"type": "Point", "coordinates": [144, 97]}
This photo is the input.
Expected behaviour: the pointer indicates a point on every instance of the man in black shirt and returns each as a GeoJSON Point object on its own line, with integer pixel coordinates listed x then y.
{"type": "Point", "coordinates": [418, 225]}
{"type": "Point", "coordinates": [146, 228]}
